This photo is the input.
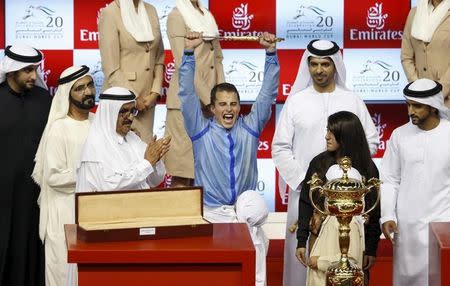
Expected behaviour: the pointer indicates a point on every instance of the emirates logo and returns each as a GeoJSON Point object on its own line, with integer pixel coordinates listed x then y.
{"type": "Point", "coordinates": [379, 125]}
{"type": "Point", "coordinates": [241, 18]}
{"type": "Point", "coordinates": [375, 17]}
{"type": "Point", "coordinates": [170, 69]}
{"type": "Point", "coordinates": [45, 73]}
{"type": "Point", "coordinates": [376, 22]}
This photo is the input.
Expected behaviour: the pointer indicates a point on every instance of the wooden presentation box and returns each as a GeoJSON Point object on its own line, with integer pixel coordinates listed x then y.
{"type": "Point", "coordinates": [142, 214]}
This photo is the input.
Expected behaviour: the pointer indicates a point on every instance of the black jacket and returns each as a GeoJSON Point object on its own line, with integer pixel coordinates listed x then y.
{"type": "Point", "coordinates": [320, 165]}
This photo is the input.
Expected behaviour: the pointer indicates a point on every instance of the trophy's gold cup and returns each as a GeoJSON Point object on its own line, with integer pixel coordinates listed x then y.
{"type": "Point", "coordinates": [344, 198]}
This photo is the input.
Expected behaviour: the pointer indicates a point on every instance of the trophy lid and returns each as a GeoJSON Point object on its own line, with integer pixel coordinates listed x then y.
{"type": "Point", "coordinates": [351, 180]}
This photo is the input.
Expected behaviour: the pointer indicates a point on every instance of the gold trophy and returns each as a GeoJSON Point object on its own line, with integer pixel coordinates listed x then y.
{"type": "Point", "coordinates": [344, 198]}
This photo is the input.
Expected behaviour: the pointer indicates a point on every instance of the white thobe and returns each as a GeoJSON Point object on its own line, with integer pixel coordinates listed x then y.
{"type": "Point", "coordinates": [415, 172]}
{"type": "Point", "coordinates": [135, 174]}
{"type": "Point", "coordinates": [63, 150]}
{"type": "Point", "coordinates": [299, 136]}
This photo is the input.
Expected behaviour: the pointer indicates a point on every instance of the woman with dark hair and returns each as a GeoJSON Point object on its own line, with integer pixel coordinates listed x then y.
{"type": "Point", "coordinates": [345, 137]}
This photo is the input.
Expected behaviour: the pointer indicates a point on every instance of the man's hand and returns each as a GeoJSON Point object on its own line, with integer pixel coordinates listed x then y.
{"type": "Point", "coordinates": [156, 149]}
{"type": "Point", "coordinates": [192, 40]}
{"type": "Point", "coordinates": [300, 253]}
{"type": "Point", "coordinates": [143, 102]}
{"type": "Point", "coordinates": [312, 262]}
{"type": "Point", "coordinates": [368, 262]}
{"type": "Point", "coordinates": [268, 41]}
{"type": "Point", "coordinates": [389, 227]}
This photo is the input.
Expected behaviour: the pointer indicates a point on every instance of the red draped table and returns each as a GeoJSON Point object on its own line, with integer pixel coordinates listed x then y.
{"type": "Point", "coordinates": [225, 258]}
{"type": "Point", "coordinates": [439, 254]}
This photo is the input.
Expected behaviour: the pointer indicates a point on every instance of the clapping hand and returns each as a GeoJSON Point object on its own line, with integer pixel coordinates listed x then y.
{"type": "Point", "coordinates": [156, 149]}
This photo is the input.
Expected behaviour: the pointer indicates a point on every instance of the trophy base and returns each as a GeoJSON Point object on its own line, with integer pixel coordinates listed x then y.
{"type": "Point", "coordinates": [344, 274]}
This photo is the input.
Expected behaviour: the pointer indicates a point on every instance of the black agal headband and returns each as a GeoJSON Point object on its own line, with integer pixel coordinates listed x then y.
{"type": "Point", "coordinates": [75, 75]}
{"type": "Point", "coordinates": [124, 97]}
{"type": "Point", "coordinates": [322, 53]}
{"type": "Point", "coordinates": [21, 58]}
{"type": "Point", "coordinates": [422, 93]}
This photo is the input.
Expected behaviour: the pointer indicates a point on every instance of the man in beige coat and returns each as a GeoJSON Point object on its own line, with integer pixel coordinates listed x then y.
{"type": "Point", "coordinates": [189, 15]}
{"type": "Point", "coordinates": [132, 55]}
{"type": "Point", "coordinates": [425, 43]}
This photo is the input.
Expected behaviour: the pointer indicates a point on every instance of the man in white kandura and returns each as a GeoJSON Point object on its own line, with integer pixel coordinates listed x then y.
{"type": "Point", "coordinates": [415, 172]}
{"type": "Point", "coordinates": [56, 160]}
{"type": "Point", "coordinates": [114, 157]}
{"type": "Point", "coordinates": [318, 91]}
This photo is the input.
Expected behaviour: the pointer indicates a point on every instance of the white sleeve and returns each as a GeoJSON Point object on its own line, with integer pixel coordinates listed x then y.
{"type": "Point", "coordinates": [390, 172]}
{"type": "Point", "coordinates": [94, 176]}
{"type": "Point", "coordinates": [86, 175]}
{"type": "Point", "coordinates": [157, 176]}
{"type": "Point", "coordinates": [282, 150]}
{"type": "Point", "coordinates": [60, 177]}
{"type": "Point", "coordinates": [369, 128]}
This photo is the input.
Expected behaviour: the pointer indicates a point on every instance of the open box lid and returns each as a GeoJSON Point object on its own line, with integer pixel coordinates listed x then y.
{"type": "Point", "coordinates": [161, 207]}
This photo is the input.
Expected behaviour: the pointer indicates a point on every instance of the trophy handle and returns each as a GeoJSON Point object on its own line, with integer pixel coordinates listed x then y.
{"type": "Point", "coordinates": [311, 191]}
{"type": "Point", "coordinates": [374, 182]}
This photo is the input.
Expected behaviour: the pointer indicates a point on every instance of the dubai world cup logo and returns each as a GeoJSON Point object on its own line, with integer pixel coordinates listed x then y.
{"type": "Point", "coordinates": [42, 18]}
{"type": "Point", "coordinates": [245, 69]}
{"type": "Point", "coordinates": [43, 23]}
{"type": "Point", "coordinates": [237, 66]}
{"type": "Point", "coordinates": [37, 12]}
{"type": "Point", "coordinates": [378, 66]}
{"type": "Point", "coordinates": [301, 21]}
{"type": "Point", "coordinates": [247, 76]}
{"type": "Point", "coordinates": [376, 77]}
{"type": "Point", "coordinates": [308, 11]}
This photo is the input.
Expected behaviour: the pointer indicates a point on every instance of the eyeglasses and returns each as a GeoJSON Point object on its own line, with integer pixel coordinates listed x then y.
{"type": "Point", "coordinates": [82, 88]}
{"type": "Point", "coordinates": [126, 112]}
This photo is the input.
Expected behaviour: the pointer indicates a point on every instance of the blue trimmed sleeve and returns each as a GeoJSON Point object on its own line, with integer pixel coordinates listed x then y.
{"type": "Point", "coordinates": [262, 107]}
{"type": "Point", "coordinates": [194, 122]}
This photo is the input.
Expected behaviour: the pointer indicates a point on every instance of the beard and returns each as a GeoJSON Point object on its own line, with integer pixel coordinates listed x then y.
{"type": "Point", "coordinates": [86, 103]}
{"type": "Point", "coordinates": [417, 120]}
{"type": "Point", "coordinates": [24, 85]}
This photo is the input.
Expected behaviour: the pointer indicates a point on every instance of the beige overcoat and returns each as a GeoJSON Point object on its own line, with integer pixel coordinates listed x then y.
{"type": "Point", "coordinates": [432, 60]}
{"type": "Point", "coordinates": [208, 72]}
{"type": "Point", "coordinates": [127, 63]}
